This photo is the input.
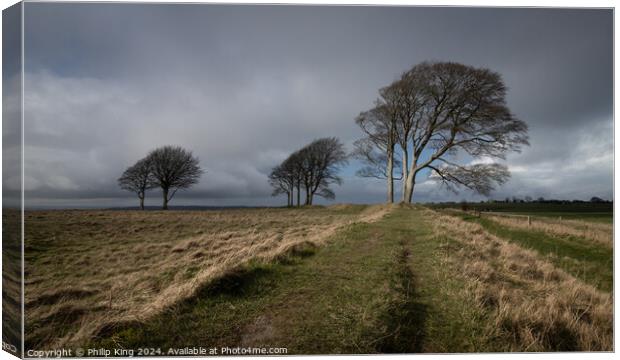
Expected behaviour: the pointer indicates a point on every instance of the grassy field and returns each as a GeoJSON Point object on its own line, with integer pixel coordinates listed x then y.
{"type": "Point", "coordinates": [88, 271]}
{"type": "Point", "coordinates": [341, 279]}
{"type": "Point", "coordinates": [11, 280]}
{"type": "Point", "coordinates": [582, 249]}
{"type": "Point", "coordinates": [592, 212]}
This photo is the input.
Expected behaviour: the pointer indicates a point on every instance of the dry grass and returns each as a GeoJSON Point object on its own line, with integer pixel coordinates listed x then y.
{"type": "Point", "coordinates": [598, 232]}
{"type": "Point", "coordinates": [89, 271]}
{"type": "Point", "coordinates": [11, 278]}
{"type": "Point", "coordinates": [534, 305]}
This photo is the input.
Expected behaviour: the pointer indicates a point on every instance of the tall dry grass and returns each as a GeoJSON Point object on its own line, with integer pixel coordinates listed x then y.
{"type": "Point", "coordinates": [88, 271]}
{"type": "Point", "coordinates": [534, 305]}
{"type": "Point", "coordinates": [597, 232]}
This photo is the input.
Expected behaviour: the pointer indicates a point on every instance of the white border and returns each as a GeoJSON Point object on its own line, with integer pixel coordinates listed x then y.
{"type": "Point", "coordinates": [469, 3]}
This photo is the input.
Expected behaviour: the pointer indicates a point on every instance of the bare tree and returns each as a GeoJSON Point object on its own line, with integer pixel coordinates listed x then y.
{"type": "Point", "coordinates": [283, 182]}
{"type": "Point", "coordinates": [321, 163]}
{"type": "Point", "coordinates": [138, 178]}
{"type": "Point", "coordinates": [464, 112]}
{"type": "Point", "coordinates": [376, 149]}
{"type": "Point", "coordinates": [375, 161]}
{"type": "Point", "coordinates": [289, 176]}
{"type": "Point", "coordinates": [315, 167]}
{"type": "Point", "coordinates": [173, 168]}
{"type": "Point", "coordinates": [446, 110]}
{"type": "Point", "coordinates": [406, 103]}
{"type": "Point", "coordinates": [295, 167]}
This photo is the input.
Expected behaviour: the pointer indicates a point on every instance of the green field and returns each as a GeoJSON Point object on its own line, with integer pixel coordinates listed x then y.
{"type": "Point", "coordinates": [580, 257]}
{"type": "Point", "coordinates": [599, 212]}
{"type": "Point", "coordinates": [354, 280]}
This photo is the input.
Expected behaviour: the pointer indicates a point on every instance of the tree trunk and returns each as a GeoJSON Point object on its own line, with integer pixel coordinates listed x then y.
{"type": "Point", "coordinates": [142, 202]}
{"type": "Point", "coordinates": [390, 177]}
{"type": "Point", "coordinates": [409, 185]}
{"type": "Point", "coordinates": [405, 167]}
{"type": "Point", "coordinates": [298, 195]}
{"type": "Point", "coordinates": [165, 192]}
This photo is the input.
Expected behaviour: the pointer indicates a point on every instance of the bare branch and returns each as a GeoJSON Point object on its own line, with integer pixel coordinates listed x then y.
{"type": "Point", "coordinates": [480, 178]}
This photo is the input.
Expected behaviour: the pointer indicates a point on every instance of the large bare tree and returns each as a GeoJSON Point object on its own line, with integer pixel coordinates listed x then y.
{"type": "Point", "coordinates": [173, 168]}
{"type": "Point", "coordinates": [138, 179]}
{"type": "Point", "coordinates": [406, 104]}
{"type": "Point", "coordinates": [446, 110]}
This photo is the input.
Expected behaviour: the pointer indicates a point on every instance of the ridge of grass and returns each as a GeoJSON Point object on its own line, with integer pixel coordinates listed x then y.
{"type": "Point", "coordinates": [583, 259]}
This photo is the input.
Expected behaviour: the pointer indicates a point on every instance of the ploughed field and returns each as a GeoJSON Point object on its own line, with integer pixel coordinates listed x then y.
{"type": "Point", "coordinates": [340, 279]}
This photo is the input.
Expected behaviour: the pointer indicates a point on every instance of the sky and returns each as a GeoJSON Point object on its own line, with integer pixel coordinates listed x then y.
{"type": "Point", "coordinates": [243, 86]}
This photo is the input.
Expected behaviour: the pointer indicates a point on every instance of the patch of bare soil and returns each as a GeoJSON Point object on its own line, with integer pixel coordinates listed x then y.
{"type": "Point", "coordinates": [258, 333]}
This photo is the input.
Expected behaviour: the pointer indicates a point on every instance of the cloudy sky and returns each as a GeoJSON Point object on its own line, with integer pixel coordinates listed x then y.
{"type": "Point", "coordinates": [243, 86]}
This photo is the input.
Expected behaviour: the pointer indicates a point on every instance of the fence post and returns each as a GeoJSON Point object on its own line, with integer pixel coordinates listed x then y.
{"type": "Point", "coordinates": [529, 221]}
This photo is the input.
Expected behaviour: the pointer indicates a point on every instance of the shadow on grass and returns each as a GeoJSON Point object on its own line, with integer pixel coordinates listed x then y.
{"type": "Point", "coordinates": [406, 315]}
{"type": "Point", "coordinates": [297, 253]}
{"type": "Point", "coordinates": [240, 286]}
{"type": "Point", "coordinates": [238, 282]}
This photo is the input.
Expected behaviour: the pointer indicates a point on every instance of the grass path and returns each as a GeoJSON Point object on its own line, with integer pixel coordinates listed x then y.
{"type": "Point", "coordinates": [586, 260]}
{"type": "Point", "coordinates": [358, 294]}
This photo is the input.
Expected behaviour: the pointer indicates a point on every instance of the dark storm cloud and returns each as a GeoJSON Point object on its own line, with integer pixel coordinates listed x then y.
{"type": "Point", "coordinates": [11, 105]}
{"type": "Point", "coordinates": [242, 86]}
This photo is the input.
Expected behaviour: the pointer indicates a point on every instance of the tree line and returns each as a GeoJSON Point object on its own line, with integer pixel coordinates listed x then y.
{"type": "Point", "coordinates": [170, 168]}
{"type": "Point", "coordinates": [542, 200]}
{"type": "Point", "coordinates": [311, 169]}
{"type": "Point", "coordinates": [445, 119]}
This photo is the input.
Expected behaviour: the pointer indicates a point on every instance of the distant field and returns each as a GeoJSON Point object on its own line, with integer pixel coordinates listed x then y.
{"type": "Point", "coordinates": [340, 279]}
{"type": "Point", "coordinates": [600, 212]}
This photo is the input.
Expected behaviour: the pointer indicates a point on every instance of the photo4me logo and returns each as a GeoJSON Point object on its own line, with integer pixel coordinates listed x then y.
{"type": "Point", "coordinates": [252, 351]}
